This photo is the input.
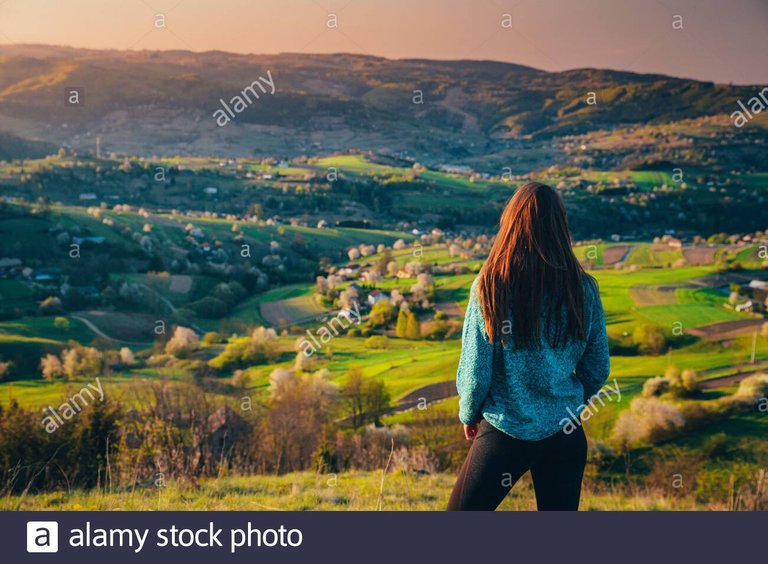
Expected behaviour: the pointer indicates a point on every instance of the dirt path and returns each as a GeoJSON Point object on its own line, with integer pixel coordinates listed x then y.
{"type": "Point", "coordinates": [725, 381]}
{"type": "Point", "coordinates": [616, 254]}
{"type": "Point", "coordinates": [425, 395]}
{"type": "Point", "coordinates": [88, 323]}
{"type": "Point", "coordinates": [727, 329]}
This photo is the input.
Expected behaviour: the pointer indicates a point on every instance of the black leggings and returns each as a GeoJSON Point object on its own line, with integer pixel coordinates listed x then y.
{"type": "Point", "coordinates": [496, 461]}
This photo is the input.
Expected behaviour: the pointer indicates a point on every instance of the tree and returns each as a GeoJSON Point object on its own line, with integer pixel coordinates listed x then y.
{"type": "Point", "coordinates": [183, 342]}
{"type": "Point", "coordinates": [365, 399]}
{"type": "Point", "coordinates": [376, 398]}
{"type": "Point", "coordinates": [690, 381]}
{"type": "Point", "coordinates": [81, 361]}
{"type": "Point", "coordinates": [377, 342]}
{"type": "Point", "coordinates": [352, 395]}
{"type": "Point", "coordinates": [650, 339]}
{"type": "Point", "coordinates": [413, 329]}
{"type": "Point", "coordinates": [51, 367]}
{"type": "Point", "coordinates": [126, 357]}
{"type": "Point", "coordinates": [382, 313]}
{"type": "Point", "coordinates": [401, 329]}
{"type": "Point", "coordinates": [61, 323]}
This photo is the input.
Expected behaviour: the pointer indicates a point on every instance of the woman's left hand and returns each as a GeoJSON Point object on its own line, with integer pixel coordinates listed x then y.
{"type": "Point", "coordinates": [470, 431]}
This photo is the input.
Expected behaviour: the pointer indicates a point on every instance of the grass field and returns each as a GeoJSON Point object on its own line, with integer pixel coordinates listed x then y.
{"type": "Point", "coordinates": [306, 491]}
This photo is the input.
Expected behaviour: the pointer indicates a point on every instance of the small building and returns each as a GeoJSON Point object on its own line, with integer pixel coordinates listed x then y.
{"type": "Point", "coordinates": [376, 296]}
{"type": "Point", "coordinates": [675, 243]}
{"type": "Point", "coordinates": [749, 306]}
{"type": "Point", "coordinates": [87, 196]}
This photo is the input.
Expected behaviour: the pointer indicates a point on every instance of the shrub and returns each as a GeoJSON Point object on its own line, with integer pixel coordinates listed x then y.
{"type": "Point", "coordinates": [752, 390]}
{"type": "Point", "coordinates": [211, 338]}
{"type": "Point", "coordinates": [415, 459]}
{"type": "Point", "coordinates": [377, 342]}
{"type": "Point", "coordinates": [241, 379]}
{"type": "Point", "coordinates": [81, 361]}
{"type": "Point", "coordinates": [654, 387]}
{"type": "Point", "coordinates": [690, 381]}
{"type": "Point", "coordinates": [382, 313]}
{"type": "Point", "coordinates": [650, 339]}
{"type": "Point", "coordinates": [672, 374]}
{"type": "Point", "coordinates": [241, 352]}
{"type": "Point", "coordinates": [715, 446]}
{"type": "Point", "coordinates": [183, 342]}
{"type": "Point", "coordinates": [126, 357]}
{"type": "Point", "coordinates": [646, 421]}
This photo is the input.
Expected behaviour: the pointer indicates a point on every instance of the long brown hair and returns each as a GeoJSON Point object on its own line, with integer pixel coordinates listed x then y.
{"type": "Point", "coordinates": [531, 274]}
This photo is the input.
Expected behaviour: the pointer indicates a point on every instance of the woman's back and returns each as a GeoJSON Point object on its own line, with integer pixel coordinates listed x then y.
{"type": "Point", "coordinates": [528, 392]}
{"type": "Point", "coordinates": [534, 351]}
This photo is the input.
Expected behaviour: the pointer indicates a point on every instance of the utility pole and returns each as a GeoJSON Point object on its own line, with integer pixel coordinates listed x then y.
{"type": "Point", "coordinates": [98, 147]}
{"type": "Point", "coordinates": [754, 346]}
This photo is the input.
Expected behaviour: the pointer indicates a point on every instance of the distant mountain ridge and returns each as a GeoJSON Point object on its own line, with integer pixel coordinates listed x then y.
{"type": "Point", "coordinates": [161, 102]}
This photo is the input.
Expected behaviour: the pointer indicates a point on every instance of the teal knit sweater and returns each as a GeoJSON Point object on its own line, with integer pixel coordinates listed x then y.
{"type": "Point", "coordinates": [539, 386]}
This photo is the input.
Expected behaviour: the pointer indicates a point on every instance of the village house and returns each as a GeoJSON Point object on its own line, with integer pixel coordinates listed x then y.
{"type": "Point", "coordinates": [376, 296]}
{"type": "Point", "coordinates": [675, 243]}
{"type": "Point", "coordinates": [751, 306]}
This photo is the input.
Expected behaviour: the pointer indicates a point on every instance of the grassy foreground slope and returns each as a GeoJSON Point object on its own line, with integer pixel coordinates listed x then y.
{"type": "Point", "coordinates": [307, 491]}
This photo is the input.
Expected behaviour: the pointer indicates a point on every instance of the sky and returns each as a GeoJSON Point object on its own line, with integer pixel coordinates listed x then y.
{"type": "Point", "coordinates": [720, 40]}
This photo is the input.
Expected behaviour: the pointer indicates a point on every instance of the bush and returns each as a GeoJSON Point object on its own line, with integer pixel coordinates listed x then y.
{"type": "Point", "coordinates": [377, 342]}
{"type": "Point", "coordinates": [672, 374]}
{"type": "Point", "coordinates": [183, 342]}
{"type": "Point", "coordinates": [654, 387]}
{"type": "Point", "coordinates": [752, 390]}
{"type": "Point", "coordinates": [81, 362]}
{"type": "Point", "coordinates": [650, 339]}
{"type": "Point", "coordinates": [715, 446]}
{"type": "Point", "coordinates": [647, 421]}
{"type": "Point", "coordinates": [50, 306]}
{"type": "Point", "coordinates": [212, 338]}
{"type": "Point", "coordinates": [690, 381]}
{"type": "Point", "coordinates": [242, 352]}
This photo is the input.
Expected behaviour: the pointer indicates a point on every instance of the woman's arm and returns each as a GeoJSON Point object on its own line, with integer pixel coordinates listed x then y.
{"type": "Point", "coordinates": [473, 377]}
{"type": "Point", "coordinates": [595, 364]}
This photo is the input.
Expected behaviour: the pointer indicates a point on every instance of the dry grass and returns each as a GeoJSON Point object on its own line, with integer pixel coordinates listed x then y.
{"type": "Point", "coordinates": [306, 491]}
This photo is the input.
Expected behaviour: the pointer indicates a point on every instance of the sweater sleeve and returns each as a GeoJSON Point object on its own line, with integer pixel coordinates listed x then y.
{"type": "Point", "coordinates": [473, 377]}
{"type": "Point", "coordinates": [595, 365]}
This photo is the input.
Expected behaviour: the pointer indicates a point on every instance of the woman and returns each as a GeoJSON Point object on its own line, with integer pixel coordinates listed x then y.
{"type": "Point", "coordinates": [534, 350]}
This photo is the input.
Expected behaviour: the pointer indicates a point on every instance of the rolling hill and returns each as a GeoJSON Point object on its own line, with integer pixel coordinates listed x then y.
{"type": "Point", "coordinates": [161, 102]}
